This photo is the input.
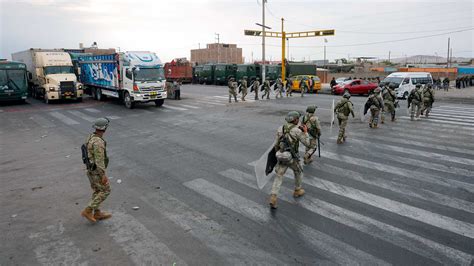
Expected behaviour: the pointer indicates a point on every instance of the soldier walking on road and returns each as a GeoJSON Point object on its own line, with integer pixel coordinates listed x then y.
{"type": "Point", "coordinates": [243, 87]}
{"type": "Point", "coordinates": [256, 87]}
{"type": "Point", "coordinates": [266, 88]}
{"type": "Point", "coordinates": [289, 87]}
{"type": "Point", "coordinates": [314, 130]}
{"type": "Point", "coordinates": [389, 98]}
{"type": "Point", "coordinates": [375, 103]}
{"type": "Point", "coordinates": [97, 164]}
{"type": "Point", "coordinates": [303, 86]}
{"type": "Point", "coordinates": [279, 88]}
{"type": "Point", "coordinates": [287, 144]}
{"type": "Point", "coordinates": [342, 109]}
{"type": "Point", "coordinates": [428, 100]}
{"type": "Point", "coordinates": [232, 89]}
{"type": "Point", "coordinates": [415, 100]}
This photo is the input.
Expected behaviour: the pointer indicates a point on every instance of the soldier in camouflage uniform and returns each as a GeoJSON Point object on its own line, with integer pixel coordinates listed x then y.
{"type": "Point", "coordinates": [415, 100]}
{"type": "Point", "coordinates": [375, 102]}
{"type": "Point", "coordinates": [256, 87]}
{"type": "Point", "coordinates": [342, 109]}
{"type": "Point", "coordinates": [243, 87]}
{"type": "Point", "coordinates": [303, 86]}
{"type": "Point", "coordinates": [314, 130]}
{"type": "Point", "coordinates": [289, 86]}
{"type": "Point", "coordinates": [428, 99]}
{"type": "Point", "coordinates": [279, 88]}
{"type": "Point", "coordinates": [389, 97]}
{"type": "Point", "coordinates": [292, 135]}
{"type": "Point", "coordinates": [97, 154]}
{"type": "Point", "coordinates": [232, 89]}
{"type": "Point", "coordinates": [266, 88]}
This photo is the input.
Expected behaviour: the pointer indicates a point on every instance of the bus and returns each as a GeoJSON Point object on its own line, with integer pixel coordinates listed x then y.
{"type": "Point", "coordinates": [13, 81]}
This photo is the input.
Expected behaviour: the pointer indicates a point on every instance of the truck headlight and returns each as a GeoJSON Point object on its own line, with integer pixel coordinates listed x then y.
{"type": "Point", "coordinates": [79, 87]}
{"type": "Point", "coordinates": [52, 88]}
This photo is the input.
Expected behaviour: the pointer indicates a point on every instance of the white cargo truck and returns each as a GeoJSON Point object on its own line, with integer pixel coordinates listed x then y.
{"type": "Point", "coordinates": [50, 74]}
{"type": "Point", "coordinates": [133, 77]}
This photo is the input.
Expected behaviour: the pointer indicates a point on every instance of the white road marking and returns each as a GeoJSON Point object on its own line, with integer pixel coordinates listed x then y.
{"type": "Point", "coordinates": [141, 245]}
{"type": "Point", "coordinates": [461, 141]}
{"type": "Point", "coordinates": [367, 225]}
{"type": "Point", "coordinates": [323, 244]}
{"type": "Point", "coordinates": [447, 118]}
{"type": "Point", "coordinates": [465, 118]}
{"type": "Point", "coordinates": [457, 107]}
{"type": "Point", "coordinates": [113, 117]}
{"type": "Point", "coordinates": [189, 106]}
{"type": "Point", "coordinates": [174, 108]}
{"type": "Point", "coordinates": [92, 110]}
{"type": "Point", "coordinates": [210, 102]}
{"type": "Point", "coordinates": [83, 116]}
{"type": "Point", "coordinates": [42, 121]}
{"type": "Point", "coordinates": [443, 121]}
{"type": "Point", "coordinates": [55, 248]}
{"type": "Point", "coordinates": [66, 120]}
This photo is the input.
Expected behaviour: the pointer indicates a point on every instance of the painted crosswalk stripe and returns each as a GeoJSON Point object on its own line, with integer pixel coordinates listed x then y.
{"type": "Point", "coordinates": [418, 214]}
{"type": "Point", "coordinates": [83, 116]}
{"type": "Point", "coordinates": [417, 175]}
{"type": "Point", "coordinates": [399, 188]}
{"type": "Point", "coordinates": [457, 107]}
{"type": "Point", "coordinates": [174, 108]}
{"type": "Point", "coordinates": [323, 244]}
{"type": "Point", "coordinates": [467, 118]}
{"type": "Point", "coordinates": [236, 250]}
{"type": "Point", "coordinates": [452, 112]}
{"type": "Point", "coordinates": [42, 121]}
{"type": "Point", "coordinates": [188, 106]}
{"type": "Point", "coordinates": [428, 133]}
{"type": "Point", "coordinates": [113, 117]}
{"type": "Point", "coordinates": [221, 97]}
{"type": "Point", "coordinates": [426, 144]}
{"type": "Point", "coordinates": [367, 225]}
{"type": "Point", "coordinates": [445, 122]}
{"type": "Point", "coordinates": [141, 245]}
{"type": "Point", "coordinates": [447, 118]}
{"type": "Point", "coordinates": [66, 120]}
{"type": "Point", "coordinates": [92, 110]}
{"type": "Point", "coordinates": [210, 102]}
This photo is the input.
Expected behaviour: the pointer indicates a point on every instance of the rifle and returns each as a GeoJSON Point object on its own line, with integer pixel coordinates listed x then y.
{"type": "Point", "coordinates": [319, 148]}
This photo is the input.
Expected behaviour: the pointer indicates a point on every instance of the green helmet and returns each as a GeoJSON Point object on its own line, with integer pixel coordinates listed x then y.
{"type": "Point", "coordinates": [245, 77]}
{"type": "Point", "coordinates": [291, 116]}
{"type": "Point", "coordinates": [346, 95]}
{"type": "Point", "coordinates": [101, 123]}
{"type": "Point", "coordinates": [418, 86]}
{"type": "Point", "coordinates": [257, 78]}
{"type": "Point", "coordinates": [311, 109]}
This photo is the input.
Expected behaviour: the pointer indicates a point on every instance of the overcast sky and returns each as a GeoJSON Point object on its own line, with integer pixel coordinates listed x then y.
{"type": "Point", "coordinates": [172, 27]}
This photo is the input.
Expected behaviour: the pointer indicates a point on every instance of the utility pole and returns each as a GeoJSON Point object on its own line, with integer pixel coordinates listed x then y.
{"type": "Point", "coordinates": [451, 57]}
{"type": "Point", "coordinates": [389, 56]}
{"type": "Point", "coordinates": [447, 58]}
{"type": "Point", "coordinates": [263, 40]}
{"type": "Point", "coordinates": [325, 41]}
{"type": "Point", "coordinates": [287, 48]}
{"type": "Point", "coordinates": [218, 40]}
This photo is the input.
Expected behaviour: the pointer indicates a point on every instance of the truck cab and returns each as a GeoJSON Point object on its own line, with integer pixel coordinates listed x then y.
{"type": "Point", "coordinates": [13, 81]}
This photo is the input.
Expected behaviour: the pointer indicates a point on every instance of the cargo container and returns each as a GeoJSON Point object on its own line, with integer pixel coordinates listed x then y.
{"type": "Point", "coordinates": [133, 77]}
{"type": "Point", "coordinates": [179, 69]}
{"type": "Point", "coordinates": [50, 74]}
{"type": "Point", "coordinates": [13, 81]}
{"type": "Point", "coordinates": [207, 74]}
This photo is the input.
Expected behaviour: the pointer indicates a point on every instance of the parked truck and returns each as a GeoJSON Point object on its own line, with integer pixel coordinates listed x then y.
{"type": "Point", "coordinates": [13, 81]}
{"type": "Point", "coordinates": [133, 77]}
{"type": "Point", "coordinates": [50, 74]}
{"type": "Point", "coordinates": [179, 69]}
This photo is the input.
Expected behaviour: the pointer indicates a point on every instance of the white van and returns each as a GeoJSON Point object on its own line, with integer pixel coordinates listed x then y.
{"type": "Point", "coordinates": [404, 82]}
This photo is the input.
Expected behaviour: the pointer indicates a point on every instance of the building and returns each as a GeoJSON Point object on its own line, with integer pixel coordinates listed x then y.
{"type": "Point", "coordinates": [218, 53]}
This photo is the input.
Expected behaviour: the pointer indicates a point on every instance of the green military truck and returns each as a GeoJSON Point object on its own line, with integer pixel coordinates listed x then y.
{"type": "Point", "coordinates": [250, 70]}
{"type": "Point", "coordinates": [272, 71]}
{"type": "Point", "coordinates": [13, 81]}
{"type": "Point", "coordinates": [197, 73]}
{"type": "Point", "coordinates": [223, 72]}
{"type": "Point", "coordinates": [207, 74]}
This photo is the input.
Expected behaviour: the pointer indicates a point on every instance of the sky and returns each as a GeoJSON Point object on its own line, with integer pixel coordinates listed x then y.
{"type": "Point", "coordinates": [171, 28]}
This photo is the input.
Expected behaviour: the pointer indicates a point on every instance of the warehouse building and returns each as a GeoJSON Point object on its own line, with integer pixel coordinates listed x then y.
{"type": "Point", "coordinates": [218, 53]}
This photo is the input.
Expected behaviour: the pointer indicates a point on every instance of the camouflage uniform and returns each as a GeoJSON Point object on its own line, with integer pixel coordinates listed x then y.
{"type": "Point", "coordinates": [342, 109]}
{"type": "Point", "coordinates": [266, 88]}
{"type": "Point", "coordinates": [389, 98]}
{"type": "Point", "coordinates": [428, 100]}
{"type": "Point", "coordinates": [314, 131]}
{"type": "Point", "coordinates": [256, 87]}
{"type": "Point", "coordinates": [96, 150]}
{"type": "Point", "coordinates": [289, 87]}
{"type": "Point", "coordinates": [303, 86]}
{"type": "Point", "coordinates": [376, 104]}
{"type": "Point", "coordinates": [243, 88]}
{"type": "Point", "coordinates": [279, 88]}
{"type": "Point", "coordinates": [295, 136]}
{"type": "Point", "coordinates": [415, 100]}
{"type": "Point", "coordinates": [232, 90]}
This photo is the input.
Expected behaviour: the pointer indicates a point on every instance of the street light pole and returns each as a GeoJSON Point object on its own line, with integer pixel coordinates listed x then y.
{"type": "Point", "coordinates": [218, 40]}
{"type": "Point", "coordinates": [263, 39]}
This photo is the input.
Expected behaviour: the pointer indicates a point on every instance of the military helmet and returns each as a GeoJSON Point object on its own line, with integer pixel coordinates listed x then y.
{"type": "Point", "coordinates": [267, 77]}
{"type": "Point", "coordinates": [101, 123]}
{"type": "Point", "coordinates": [311, 109]}
{"type": "Point", "coordinates": [257, 78]}
{"type": "Point", "coordinates": [377, 90]}
{"type": "Point", "coordinates": [418, 85]}
{"type": "Point", "coordinates": [429, 85]}
{"type": "Point", "coordinates": [245, 77]}
{"type": "Point", "coordinates": [291, 116]}
{"type": "Point", "coordinates": [347, 95]}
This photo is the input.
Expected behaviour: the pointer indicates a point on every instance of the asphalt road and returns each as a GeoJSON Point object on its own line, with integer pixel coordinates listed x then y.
{"type": "Point", "coordinates": [401, 194]}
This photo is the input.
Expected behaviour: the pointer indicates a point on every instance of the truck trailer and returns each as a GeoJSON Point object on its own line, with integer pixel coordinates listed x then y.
{"type": "Point", "coordinates": [133, 77]}
{"type": "Point", "coordinates": [13, 81]}
{"type": "Point", "coordinates": [50, 74]}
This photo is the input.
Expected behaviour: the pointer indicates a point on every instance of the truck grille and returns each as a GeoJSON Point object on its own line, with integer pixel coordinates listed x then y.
{"type": "Point", "coordinates": [151, 89]}
{"type": "Point", "coordinates": [67, 87]}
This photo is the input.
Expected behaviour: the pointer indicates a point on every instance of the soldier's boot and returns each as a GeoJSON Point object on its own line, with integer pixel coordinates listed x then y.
{"type": "Point", "coordinates": [339, 141]}
{"type": "Point", "coordinates": [307, 159]}
{"type": "Point", "coordinates": [344, 138]}
{"type": "Point", "coordinates": [99, 215]}
{"type": "Point", "coordinates": [273, 201]}
{"type": "Point", "coordinates": [87, 213]}
{"type": "Point", "coordinates": [298, 193]}
{"type": "Point", "coordinates": [371, 125]}
{"type": "Point", "coordinates": [393, 118]}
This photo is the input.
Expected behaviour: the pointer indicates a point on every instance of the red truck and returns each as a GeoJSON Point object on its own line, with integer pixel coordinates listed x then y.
{"type": "Point", "coordinates": [179, 69]}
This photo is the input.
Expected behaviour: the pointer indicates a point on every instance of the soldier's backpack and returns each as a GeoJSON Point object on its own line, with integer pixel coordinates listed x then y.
{"type": "Point", "coordinates": [85, 156]}
{"type": "Point", "coordinates": [285, 154]}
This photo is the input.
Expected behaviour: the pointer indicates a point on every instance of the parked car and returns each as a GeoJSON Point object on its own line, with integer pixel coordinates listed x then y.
{"type": "Point", "coordinates": [297, 80]}
{"type": "Point", "coordinates": [341, 80]}
{"type": "Point", "coordinates": [355, 86]}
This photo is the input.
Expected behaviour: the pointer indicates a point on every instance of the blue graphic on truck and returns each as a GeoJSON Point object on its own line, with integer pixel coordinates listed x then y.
{"type": "Point", "coordinates": [99, 70]}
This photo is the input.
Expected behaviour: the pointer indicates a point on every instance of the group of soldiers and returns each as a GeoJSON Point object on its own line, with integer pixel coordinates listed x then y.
{"type": "Point", "coordinates": [279, 87]}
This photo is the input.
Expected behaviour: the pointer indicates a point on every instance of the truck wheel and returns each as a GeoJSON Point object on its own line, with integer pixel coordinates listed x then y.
{"type": "Point", "coordinates": [99, 95]}
{"type": "Point", "coordinates": [127, 100]}
{"type": "Point", "coordinates": [159, 102]}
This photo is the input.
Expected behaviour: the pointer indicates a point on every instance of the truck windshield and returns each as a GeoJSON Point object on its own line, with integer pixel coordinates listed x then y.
{"type": "Point", "coordinates": [14, 78]}
{"type": "Point", "coordinates": [57, 70]}
{"type": "Point", "coordinates": [149, 74]}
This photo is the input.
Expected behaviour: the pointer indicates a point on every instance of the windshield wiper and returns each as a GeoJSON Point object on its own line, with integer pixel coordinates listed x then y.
{"type": "Point", "coordinates": [14, 84]}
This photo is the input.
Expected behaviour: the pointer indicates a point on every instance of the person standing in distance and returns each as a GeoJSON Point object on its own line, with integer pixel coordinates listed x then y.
{"type": "Point", "coordinates": [96, 171]}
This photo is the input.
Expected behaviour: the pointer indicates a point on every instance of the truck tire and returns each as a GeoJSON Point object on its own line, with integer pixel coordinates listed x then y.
{"type": "Point", "coordinates": [159, 102]}
{"type": "Point", "coordinates": [99, 96]}
{"type": "Point", "coordinates": [127, 100]}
